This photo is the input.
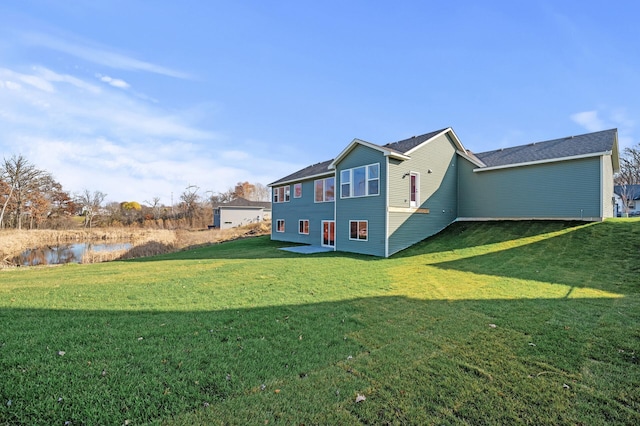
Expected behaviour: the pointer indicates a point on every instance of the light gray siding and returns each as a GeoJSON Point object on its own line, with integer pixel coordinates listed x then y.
{"type": "Point", "coordinates": [369, 208]}
{"type": "Point", "coordinates": [608, 198]}
{"type": "Point", "coordinates": [435, 162]}
{"type": "Point", "coordinates": [301, 208]}
{"type": "Point", "coordinates": [231, 217]}
{"type": "Point", "coordinates": [559, 190]}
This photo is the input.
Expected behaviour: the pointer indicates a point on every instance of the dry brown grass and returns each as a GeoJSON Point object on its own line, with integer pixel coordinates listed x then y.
{"type": "Point", "coordinates": [146, 242]}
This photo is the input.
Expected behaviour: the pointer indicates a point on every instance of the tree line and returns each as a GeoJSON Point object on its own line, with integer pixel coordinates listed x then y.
{"type": "Point", "coordinates": [30, 198]}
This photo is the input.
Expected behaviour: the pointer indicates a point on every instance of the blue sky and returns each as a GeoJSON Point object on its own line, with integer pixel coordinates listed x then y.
{"type": "Point", "coordinates": [140, 99]}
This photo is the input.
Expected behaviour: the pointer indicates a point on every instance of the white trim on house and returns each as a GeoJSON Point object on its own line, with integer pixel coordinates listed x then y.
{"type": "Point", "coordinates": [497, 219]}
{"type": "Point", "coordinates": [386, 202]}
{"type": "Point", "coordinates": [456, 141]}
{"type": "Point", "coordinates": [414, 203]}
{"type": "Point", "coordinates": [550, 160]}
{"type": "Point", "coordinates": [471, 159]}
{"type": "Point", "coordinates": [352, 145]}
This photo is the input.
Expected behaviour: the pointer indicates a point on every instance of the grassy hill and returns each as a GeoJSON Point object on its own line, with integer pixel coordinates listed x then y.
{"type": "Point", "coordinates": [485, 323]}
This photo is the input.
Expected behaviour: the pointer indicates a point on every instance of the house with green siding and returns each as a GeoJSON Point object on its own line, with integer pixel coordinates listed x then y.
{"type": "Point", "coordinates": [380, 199]}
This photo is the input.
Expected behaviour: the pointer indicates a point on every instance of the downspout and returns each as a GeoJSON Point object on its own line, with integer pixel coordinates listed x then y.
{"type": "Point", "coordinates": [336, 194]}
{"type": "Point", "coordinates": [386, 208]}
{"type": "Point", "coordinates": [602, 187]}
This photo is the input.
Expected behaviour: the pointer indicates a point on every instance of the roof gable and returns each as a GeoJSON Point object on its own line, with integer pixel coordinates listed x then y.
{"type": "Point", "coordinates": [586, 145]}
{"type": "Point", "coordinates": [407, 146]}
{"type": "Point", "coordinates": [386, 151]}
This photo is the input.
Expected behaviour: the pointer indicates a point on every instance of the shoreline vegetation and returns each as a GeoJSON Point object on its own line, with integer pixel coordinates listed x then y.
{"type": "Point", "coordinates": [145, 242]}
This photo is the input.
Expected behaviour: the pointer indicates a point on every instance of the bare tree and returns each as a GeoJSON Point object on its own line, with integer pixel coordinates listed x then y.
{"type": "Point", "coordinates": [190, 201]}
{"type": "Point", "coordinates": [156, 207]}
{"type": "Point", "coordinates": [260, 193]}
{"type": "Point", "coordinates": [23, 179]}
{"type": "Point", "coordinates": [91, 203]}
{"type": "Point", "coordinates": [628, 176]}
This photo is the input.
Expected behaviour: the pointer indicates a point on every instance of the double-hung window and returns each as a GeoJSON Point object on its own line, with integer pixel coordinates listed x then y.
{"type": "Point", "coordinates": [280, 225]}
{"type": "Point", "coordinates": [281, 194]}
{"type": "Point", "coordinates": [360, 181]}
{"type": "Point", "coordinates": [324, 190]}
{"type": "Point", "coordinates": [297, 190]}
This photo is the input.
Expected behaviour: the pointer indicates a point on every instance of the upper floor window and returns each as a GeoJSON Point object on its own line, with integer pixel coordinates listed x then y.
{"type": "Point", "coordinates": [281, 194]}
{"type": "Point", "coordinates": [324, 190]}
{"type": "Point", "coordinates": [297, 190]}
{"type": "Point", "coordinates": [360, 181]}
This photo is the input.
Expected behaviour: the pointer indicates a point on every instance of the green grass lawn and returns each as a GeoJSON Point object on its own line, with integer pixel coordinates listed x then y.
{"type": "Point", "coordinates": [486, 323]}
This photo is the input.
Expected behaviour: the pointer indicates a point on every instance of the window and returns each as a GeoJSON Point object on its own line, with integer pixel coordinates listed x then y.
{"type": "Point", "coordinates": [360, 181]}
{"type": "Point", "coordinates": [358, 230]}
{"type": "Point", "coordinates": [414, 190]}
{"type": "Point", "coordinates": [281, 194]}
{"type": "Point", "coordinates": [280, 225]}
{"type": "Point", "coordinates": [324, 190]}
{"type": "Point", "coordinates": [303, 227]}
{"type": "Point", "coordinates": [297, 190]}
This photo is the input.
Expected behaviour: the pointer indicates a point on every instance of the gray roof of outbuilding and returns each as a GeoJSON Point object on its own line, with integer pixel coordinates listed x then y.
{"type": "Point", "coordinates": [633, 191]}
{"type": "Point", "coordinates": [243, 202]}
{"type": "Point", "coordinates": [572, 146]}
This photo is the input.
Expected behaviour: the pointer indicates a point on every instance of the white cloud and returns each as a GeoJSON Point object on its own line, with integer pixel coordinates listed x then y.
{"type": "Point", "coordinates": [115, 82]}
{"type": "Point", "coordinates": [589, 120]}
{"type": "Point", "coordinates": [91, 52]}
{"type": "Point", "coordinates": [100, 138]}
{"type": "Point", "coordinates": [613, 118]}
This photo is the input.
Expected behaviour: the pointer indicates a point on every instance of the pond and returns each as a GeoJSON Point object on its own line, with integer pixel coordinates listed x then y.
{"type": "Point", "coordinates": [64, 253]}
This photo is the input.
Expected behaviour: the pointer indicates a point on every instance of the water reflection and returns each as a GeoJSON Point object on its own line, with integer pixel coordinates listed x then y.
{"type": "Point", "coordinates": [64, 253]}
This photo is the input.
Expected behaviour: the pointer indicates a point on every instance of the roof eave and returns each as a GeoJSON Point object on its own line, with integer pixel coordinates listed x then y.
{"type": "Point", "coordinates": [300, 179]}
{"type": "Point", "coordinates": [471, 159]}
{"type": "Point", "coordinates": [533, 163]}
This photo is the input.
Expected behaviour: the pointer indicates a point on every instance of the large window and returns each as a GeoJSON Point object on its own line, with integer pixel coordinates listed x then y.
{"type": "Point", "coordinates": [324, 190]}
{"type": "Point", "coordinates": [303, 227]}
{"type": "Point", "coordinates": [280, 225]}
{"type": "Point", "coordinates": [360, 181]}
{"type": "Point", "coordinates": [281, 194]}
{"type": "Point", "coordinates": [297, 190]}
{"type": "Point", "coordinates": [358, 230]}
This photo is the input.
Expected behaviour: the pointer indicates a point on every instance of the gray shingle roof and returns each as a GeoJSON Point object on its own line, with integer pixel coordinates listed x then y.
{"type": "Point", "coordinates": [406, 145]}
{"type": "Point", "coordinates": [313, 170]}
{"type": "Point", "coordinates": [319, 169]}
{"type": "Point", "coordinates": [243, 202]}
{"type": "Point", "coordinates": [590, 143]}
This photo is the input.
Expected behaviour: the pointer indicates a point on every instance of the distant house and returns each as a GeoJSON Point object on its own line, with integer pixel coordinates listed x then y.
{"type": "Point", "coordinates": [240, 212]}
{"type": "Point", "coordinates": [380, 199]}
{"type": "Point", "coordinates": [630, 194]}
